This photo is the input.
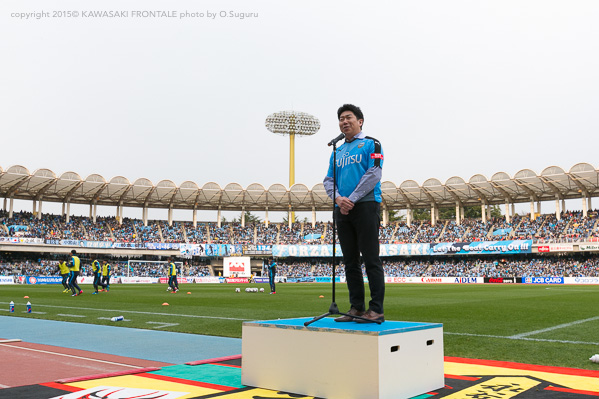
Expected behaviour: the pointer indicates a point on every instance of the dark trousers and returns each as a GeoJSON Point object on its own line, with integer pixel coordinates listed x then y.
{"type": "Point", "coordinates": [359, 234]}
{"type": "Point", "coordinates": [173, 283]}
{"type": "Point", "coordinates": [97, 278]}
{"type": "Point", "coordinates": [106, 282]}
{"type": "Point", "coordinates": [271, 281]}
{"type": "Point", "coordinates": [73, 282]}
{"type": "Point", "coordinates": [65, 281]}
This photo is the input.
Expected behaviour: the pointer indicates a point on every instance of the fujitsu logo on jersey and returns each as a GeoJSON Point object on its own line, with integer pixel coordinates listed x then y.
{"type": "Point", "coordinates": [348, 160]}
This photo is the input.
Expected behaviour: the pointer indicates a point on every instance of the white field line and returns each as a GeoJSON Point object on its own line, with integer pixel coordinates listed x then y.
{"type": "Point", "coordinates": [565, 325]}
{"type": "Point", "coordinates": [162, 325]}
{"type": "Point", "coordinates": [76, 357]}
{"type": "Point", "coordinates": [524, 338]}
{"type": "Point", "coordinates": [70, 315]}
{"type": "Point", "coordinates": [138, 312]}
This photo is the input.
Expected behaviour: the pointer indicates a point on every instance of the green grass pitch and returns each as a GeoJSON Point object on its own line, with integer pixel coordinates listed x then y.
{"type": "Point", "coordinates": [536, 324]}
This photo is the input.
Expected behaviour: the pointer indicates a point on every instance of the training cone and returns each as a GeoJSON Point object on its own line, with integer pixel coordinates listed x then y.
{"type": "Point", "coordinates": [165, 304]}
{"type": "Point", "coordinates": [188, 293]}
{"type": "Point", "coordinates": [26, 297]}
{"type": "Point", "coordinates": [322, 296]}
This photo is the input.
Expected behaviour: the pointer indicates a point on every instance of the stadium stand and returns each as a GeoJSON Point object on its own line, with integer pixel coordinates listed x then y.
{"type": "Point", "coordinates": [571, 227]}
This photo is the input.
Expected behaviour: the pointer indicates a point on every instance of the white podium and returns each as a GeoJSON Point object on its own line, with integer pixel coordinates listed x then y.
{"type": "Point", "coordinates": [394, 360]}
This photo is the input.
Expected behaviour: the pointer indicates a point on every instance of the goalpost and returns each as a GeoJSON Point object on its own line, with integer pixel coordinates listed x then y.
{"type": "Point", "coordinates": [161, 264]}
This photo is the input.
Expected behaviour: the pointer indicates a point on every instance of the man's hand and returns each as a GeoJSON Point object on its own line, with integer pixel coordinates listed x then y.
{"type": "Point", "coordinates": [345, 205]}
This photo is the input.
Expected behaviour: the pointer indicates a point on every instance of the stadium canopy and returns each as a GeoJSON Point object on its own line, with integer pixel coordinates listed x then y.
{"type": "Point", "coordinates": [43, 185]}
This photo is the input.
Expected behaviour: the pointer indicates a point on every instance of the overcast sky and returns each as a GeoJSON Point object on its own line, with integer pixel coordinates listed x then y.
{"type": "Point", "coordinates": [449, 87]}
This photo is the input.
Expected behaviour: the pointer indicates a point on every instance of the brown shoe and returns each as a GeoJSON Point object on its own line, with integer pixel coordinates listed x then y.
{"type": "Point", "coordinates": [371, 317]}
{"type": "Point", "coordinates": [348, 317]}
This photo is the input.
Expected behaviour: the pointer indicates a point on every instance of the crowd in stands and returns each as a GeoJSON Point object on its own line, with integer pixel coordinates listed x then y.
{"type": "Point", "coordinates": [459, 267]}
{"type": "Point", "coordinates": [571, 227]}
{"type": "Point", "coordinates": [575, 265]}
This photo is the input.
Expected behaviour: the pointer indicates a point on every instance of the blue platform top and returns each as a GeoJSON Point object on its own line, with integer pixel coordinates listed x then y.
{"type": "Point", "coordinates": [329, 324]}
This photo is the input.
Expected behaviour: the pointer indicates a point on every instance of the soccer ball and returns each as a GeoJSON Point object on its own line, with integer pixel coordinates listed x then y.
{"type": "Point", "coordinates": [169, 289]}
{"type": "Point", "coordinates": [261, 289]}
{"type": "Point", "coordinates": [248, 289]}
{"type": "Point", "coordinates": [237, 290]}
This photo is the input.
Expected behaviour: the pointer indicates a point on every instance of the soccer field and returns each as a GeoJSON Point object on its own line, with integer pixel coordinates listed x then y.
{"type": "Point", "coordinates": [536, 324]}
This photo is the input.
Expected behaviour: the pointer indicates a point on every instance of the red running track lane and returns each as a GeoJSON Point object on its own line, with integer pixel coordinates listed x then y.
{"type": "Point", "coordinates": [24, 363]}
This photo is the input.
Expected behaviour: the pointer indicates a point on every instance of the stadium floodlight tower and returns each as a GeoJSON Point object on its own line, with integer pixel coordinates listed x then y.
{"type": "Point", "coordinates": [292, 123]}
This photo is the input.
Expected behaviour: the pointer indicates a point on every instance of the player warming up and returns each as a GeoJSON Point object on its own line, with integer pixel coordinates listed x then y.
{"type": "Point", "coordinates": [358, 171]}
{"type": "Point", "coordinates": [173, 284]}
{"type": "Point", "coordinates": [272, 273]}
{"type": "Point", "coordinates": [106, 275]}
{"type": "Point", "coordinates": [64, 273]}
{"type": "Point", "coordinates": [74, 267]}
{"type": "Point", "coordinates": [97, 272]}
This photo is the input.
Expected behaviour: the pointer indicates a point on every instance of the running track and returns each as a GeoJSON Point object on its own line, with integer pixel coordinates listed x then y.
{"type": "Point", "coordinates": [51, 350]}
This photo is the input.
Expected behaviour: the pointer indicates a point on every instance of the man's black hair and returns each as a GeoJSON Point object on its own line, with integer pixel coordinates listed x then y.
{"type": "Point", "coordinates": [73, 252]}
{"type": "Point", "coordinates": [352, 108]}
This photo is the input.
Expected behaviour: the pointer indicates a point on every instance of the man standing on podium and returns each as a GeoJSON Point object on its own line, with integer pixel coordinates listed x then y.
{"type": "Point", "coordinates": [357, 213]}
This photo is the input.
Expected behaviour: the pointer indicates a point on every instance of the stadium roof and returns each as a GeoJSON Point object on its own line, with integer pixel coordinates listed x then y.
{"type": "Point", "coordinates": [582, 180]}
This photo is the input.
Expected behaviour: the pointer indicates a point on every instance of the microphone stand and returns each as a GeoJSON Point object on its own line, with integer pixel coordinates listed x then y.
{"type": "Point", "coordinates": [333, 308]}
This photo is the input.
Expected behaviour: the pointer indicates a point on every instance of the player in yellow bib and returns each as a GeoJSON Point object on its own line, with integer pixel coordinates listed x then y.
{"type": "Point", "coordinates": [74, 267]}
{"type": "Point", "coordinates": [106, 275]}
{"type": "Point", "coordinates": [64, 273]}
{"type": "Point", "coordinates": [173, 284]}
{"type": "Point", "coordinates": [97, 272]}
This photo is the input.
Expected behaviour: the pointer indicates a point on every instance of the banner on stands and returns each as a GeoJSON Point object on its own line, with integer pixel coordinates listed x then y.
{"type": "Point", "coordinates": [139, 280]}
{"type": "Point", "coordinates": [128, 245]}
{"type": "Point", "coordinates": [588, 247]}
{"type": "Point", "coordinates": [162, 245]}
{"type": "Point", "coordinates": [96, 244]}
{"type": "Point", "coordinates": [284, 251]}
{"type": "Point", "coordinates": [180, 280]}
{"type": "Point", "coordinates": [435, 280]}
{"type": "Point", "coordinates": [404, 249]}
{"type": "Point", "coordinates": [211, 250]}
{"type": "Point", "coordinates": [543, 280]}
{"type": "Point", "coordinates": [503, 280]}
{"type": "Point", "coordinates": [482, 247]}
{"type": "Point", "coordinates": [7, 280]}
{"type": "Point", "coordinates": [555, 248]}
{"type": "Point", "coordinates": [581, 280]}
{"type": "Point", "coordinates": [43, 280]}
{"type": "Point", "coordinates": [237, 266]}
{"type": "Point", "coordinates": [21, 240]}
{"type": "Point", "coordinates": [236, 280]}
{"type": "Point", "coordinates": [209, 280]}
{"type": "Point", "coordinates": [257, 249]}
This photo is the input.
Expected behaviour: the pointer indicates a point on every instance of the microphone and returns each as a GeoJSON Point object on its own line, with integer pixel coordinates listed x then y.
{"type": "Point", "coordinates": [336, 139]}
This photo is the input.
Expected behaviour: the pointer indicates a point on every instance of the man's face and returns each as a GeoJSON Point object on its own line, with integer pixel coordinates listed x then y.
{"type": "Point", "coordinates": [349, 124]}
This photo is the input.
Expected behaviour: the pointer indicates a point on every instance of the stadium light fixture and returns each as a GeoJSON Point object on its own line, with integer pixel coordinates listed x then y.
{"type": "Point", "coordinates": [292, 123]}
